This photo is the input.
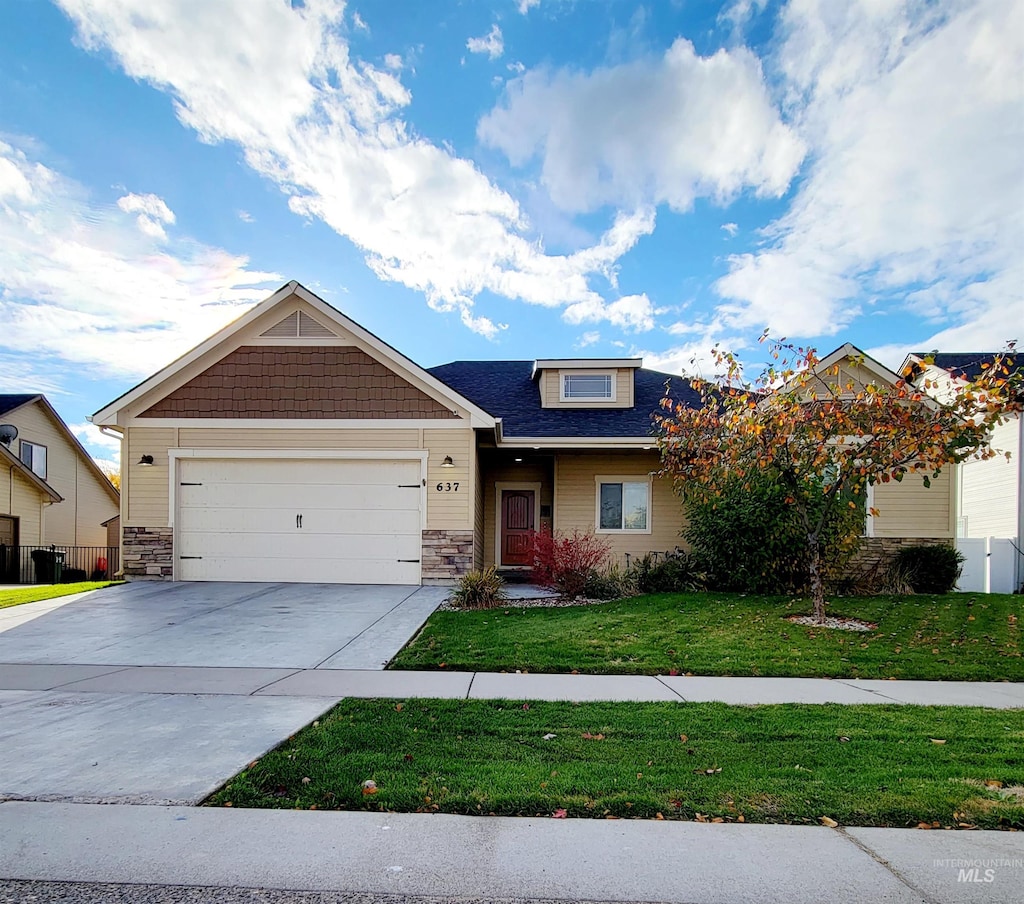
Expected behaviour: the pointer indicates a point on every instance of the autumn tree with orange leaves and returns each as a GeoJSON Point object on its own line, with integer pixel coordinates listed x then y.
{"type": "Point", "coordinates": [823, 436]}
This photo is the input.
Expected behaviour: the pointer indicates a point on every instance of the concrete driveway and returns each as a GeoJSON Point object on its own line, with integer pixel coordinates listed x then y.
{"type": "Point", "coordinates": [287, 626]}
{"type": "Point", "coordinates": [146, 693]}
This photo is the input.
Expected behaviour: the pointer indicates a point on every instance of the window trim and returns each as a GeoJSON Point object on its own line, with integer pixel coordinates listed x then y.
{"type": "Point", "coordinates": [30, 464]}
{"type": "Point", "coordinates": [644, 479]}
{"type": "Point", "coordinates": [564, 375]}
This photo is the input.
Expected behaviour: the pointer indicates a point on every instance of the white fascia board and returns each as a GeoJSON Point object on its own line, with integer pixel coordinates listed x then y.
{"type": "Point", "coordinates": [578, 442]}
{"type": "Point", "coordinates": [584, 363]}
{"type": "Point", "coordinates": [303, 423]}
{"type": "Point", "coordinates": [108, 416]}
{"type": "Point", "coordinates": [478, 416]}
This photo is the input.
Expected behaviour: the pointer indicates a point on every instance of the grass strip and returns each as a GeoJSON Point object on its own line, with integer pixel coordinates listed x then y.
{"type": "Point", "coordinates": [872, 765]}
{"type": "Point", "coordinates": [963, 637]}
{"type": "Point", "coordinates": [34, 593]}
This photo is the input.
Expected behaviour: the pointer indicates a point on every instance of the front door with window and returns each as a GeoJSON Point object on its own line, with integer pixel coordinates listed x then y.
{"type": "Point", "coordinates": [8, 552]}
{"type": "Point", "coordinates": [517, 514]}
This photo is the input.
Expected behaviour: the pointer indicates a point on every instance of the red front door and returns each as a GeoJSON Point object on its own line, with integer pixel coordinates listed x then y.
{"type": "Point", "coordinates": [516, 526]}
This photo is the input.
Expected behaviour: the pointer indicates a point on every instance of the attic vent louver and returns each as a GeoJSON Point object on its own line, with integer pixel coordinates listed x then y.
{"type": "Point", "coordinates": [298, 326]}
{"type": "Point", "coordinates": [286, 329]}
{"type": "Point", "coordinates": [311, 329]}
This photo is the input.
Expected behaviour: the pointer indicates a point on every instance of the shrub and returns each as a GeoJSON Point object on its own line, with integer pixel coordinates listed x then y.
{"type": "Point", "coordinates": [564, 562]}
{"type": "Point", "coordinates": [750, 539]}
{"type": "Point", "coordinates": [674, 572]}
{"type": "Point", "coordinates": [929, 569]}
{"type": "Point", "coordinates": [614, 583]}
{"type": "Point", "coordinates": [479, 590]}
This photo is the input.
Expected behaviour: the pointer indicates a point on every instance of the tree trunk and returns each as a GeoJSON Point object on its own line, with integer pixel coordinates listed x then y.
{"type": "Point", "coordinates": [817, 587]}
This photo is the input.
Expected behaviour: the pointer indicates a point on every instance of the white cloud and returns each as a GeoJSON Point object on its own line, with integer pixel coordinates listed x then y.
{"type": "Point", "coordinates": [517, 67]}
{"type": "Point", "coordinates": [337, 145]}
{"type": "Point", "coordinates": [632, 312]}
{"type": "Point", "coordinates": [491, 43]}
{"type": "Point", "coordinates": [589, 338]}
{"type": "Point", "coordinates": [526, 5]}
{"type": "Point", "coordinates": [730, 229]}
{"type": "Point", "coordinates": [152, 213]}
{"type": "Point", "coordinates": [393, 61]}
{"type": "Point", "coordinates": [664, 130]}
{"type": "Point", "coordinates": [359, 23]}
{"type": "Point", "coordinates": [915, 117]}
{"type": "Point", "coordinates": [79, 284]}
{"type": "Point", "coordinates": [105, 450]}
{"type": "Point", "coordinates": [246, 217]}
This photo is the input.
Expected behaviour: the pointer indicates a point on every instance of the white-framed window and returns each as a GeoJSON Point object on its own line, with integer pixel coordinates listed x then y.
{"type": "Point", "coordinates": [34, 455]}
{"type": "Point", "coordinates": [594, 387]}
{"type": "Point", "coordinates": [623, 505]}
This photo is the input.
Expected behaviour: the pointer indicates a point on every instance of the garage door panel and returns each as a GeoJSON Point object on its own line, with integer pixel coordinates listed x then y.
{"type": "Point", "coordinates": [236, 520]}
{"type": "Point", "coordinates": [293, 545]}
{"type": "Point", "coordinates": [297, 498]}
{"type": "Point", "coordinates": [300, 571]}
{"type": "Point", "coordinates": [347, 521]}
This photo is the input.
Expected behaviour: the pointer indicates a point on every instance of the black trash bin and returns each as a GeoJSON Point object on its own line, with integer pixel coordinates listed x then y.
{"type": "Point", "coordinates": [49, 565]}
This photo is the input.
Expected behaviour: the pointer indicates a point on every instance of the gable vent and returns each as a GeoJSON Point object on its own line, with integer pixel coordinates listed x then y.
{"type": "Point", "coordinates": [286, 329]}
{"type": "Point", "coordinates": [298, 326]}
{"type": "Point", "coordinates": [311, 329]}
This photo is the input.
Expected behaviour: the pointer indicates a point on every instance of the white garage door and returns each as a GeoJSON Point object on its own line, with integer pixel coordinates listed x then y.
{"type": "Point", "coordinates": [330, 521]}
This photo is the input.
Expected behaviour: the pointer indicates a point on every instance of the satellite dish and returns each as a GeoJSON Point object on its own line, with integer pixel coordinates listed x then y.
{"type": "Point", "coordinates": [8, 434]}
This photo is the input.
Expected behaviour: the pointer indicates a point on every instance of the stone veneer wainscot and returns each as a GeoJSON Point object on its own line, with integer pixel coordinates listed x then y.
{"type": "Point", "coordinates": [148, 553]}
{"type": "Point", "coordinates": [446, 555]}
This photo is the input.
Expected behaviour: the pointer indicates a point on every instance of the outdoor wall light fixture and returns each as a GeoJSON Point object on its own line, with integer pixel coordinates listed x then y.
{"type": "Point", "coordinates": [447, 463]}
{"type": "Point", "coordinates": [146, 461]}
{"type": "Point", "coordinates": [518, 459]}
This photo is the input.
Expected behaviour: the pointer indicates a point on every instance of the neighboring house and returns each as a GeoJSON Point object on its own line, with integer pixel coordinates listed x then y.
{"type": "Point", "coordinates": [294, 445]}
{"type": "Point", "coordinates": [54, 494]}
{"type": "Point", "coordinates": [989, 495]}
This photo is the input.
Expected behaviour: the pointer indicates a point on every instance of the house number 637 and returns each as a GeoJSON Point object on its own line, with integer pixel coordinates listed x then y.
{"type": "Point", "coordinates": [448, 487]}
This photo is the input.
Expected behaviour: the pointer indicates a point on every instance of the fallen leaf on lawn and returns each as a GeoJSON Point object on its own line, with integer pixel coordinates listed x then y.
{"type": "Point", "coordinates": [683, 738]}
{"type": "Point", "coordinates": [923, 825]}
{"type": "Point", "coordinates": [707, 771]}
{"type": "Point", "coordinates": [828, 821]}
{"type": "Point", "coordinates": [228, 803]}
{"type": "Point", "coordinates": [673, 672]}
{"type": "Point", "coordinates": [587, 736]}
{"type": "Point", "coordinates": [306, 780]}
{"type": "Point", "coordinates": [937, 740]}
{"type": "Point", "coordinates": [843, 739]}
{"type": "Point", "coordinates": [369, 786]}
{"type": "Point", "coordinates": [740, 818]}
{"type": "Point", "coordinates": [658, 816]}
{"type": "Point", "coordinates": [526, 706]}
{"type": "Point", "coordinates": [549, 737]}
{"type": "Point", "coordinates": [559, 814]}
{"type": "Point", "coordinates": [407, 757]}
{"type": "Point", "coordinates": [718, 819]}
{"type": "Point", "coordinates": [399, 707]}
{"type": "Point", "coordinates": [993, 783]}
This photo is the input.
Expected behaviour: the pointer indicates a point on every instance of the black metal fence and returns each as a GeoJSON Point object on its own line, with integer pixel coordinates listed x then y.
{"type": "Point", "coordinates": [58, 564]}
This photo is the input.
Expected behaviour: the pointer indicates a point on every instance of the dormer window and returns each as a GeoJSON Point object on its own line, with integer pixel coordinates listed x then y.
{"type": "Point", "coordinates": [588, 387]}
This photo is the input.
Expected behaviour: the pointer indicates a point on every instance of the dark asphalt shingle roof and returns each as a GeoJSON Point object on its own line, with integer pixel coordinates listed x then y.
{"type": "Point", "coordinates": [10, 401]}
{"type": "Point", "coordinates": [967, 364]}
{"type": "Point", "coordinates": [506, 389]}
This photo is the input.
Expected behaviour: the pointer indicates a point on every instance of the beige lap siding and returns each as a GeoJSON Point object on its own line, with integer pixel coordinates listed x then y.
{"type": "Point", "coordinates": [908, 509]}
{"type": "Point", "coordinates": [26, 504]}
{"type": "Point", "coordinates": [576, 500]}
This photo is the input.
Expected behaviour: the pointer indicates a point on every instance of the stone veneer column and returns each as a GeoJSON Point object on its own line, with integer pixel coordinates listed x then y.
{"type": "Point", "coordinates": [879, 552]}
{"type": "Point", "coordinates": [446, 555]}
{"type": "Point", "coordinates": [148, 553]}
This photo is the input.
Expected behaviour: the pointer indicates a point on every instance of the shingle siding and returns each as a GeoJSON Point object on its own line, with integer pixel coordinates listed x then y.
{"type": "Point", "coordinates": [298, 382]}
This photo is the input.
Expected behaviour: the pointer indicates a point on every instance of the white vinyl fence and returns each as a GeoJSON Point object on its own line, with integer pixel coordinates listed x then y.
{"type": "Point", "coordinates": [993, 565]}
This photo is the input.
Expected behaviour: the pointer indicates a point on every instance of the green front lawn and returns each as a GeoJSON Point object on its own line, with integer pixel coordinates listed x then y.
{"type": "Point", "coordinates": [859, 765]}
{"type": "Point", "coordinates": [33, 593]}
{"type": "Point", "coordinates": [960, 636]}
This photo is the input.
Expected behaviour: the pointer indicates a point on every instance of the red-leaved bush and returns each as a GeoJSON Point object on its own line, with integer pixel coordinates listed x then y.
{"type": "Point", "coordinates": [563, 561]}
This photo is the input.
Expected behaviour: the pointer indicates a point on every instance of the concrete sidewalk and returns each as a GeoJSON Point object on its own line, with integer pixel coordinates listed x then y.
{"type": "Point", "coordinates": [337, 683]}
{"type": "Point", "coordinates": [500, 858]}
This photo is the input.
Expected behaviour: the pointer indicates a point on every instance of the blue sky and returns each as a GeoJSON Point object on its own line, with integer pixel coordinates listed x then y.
{"type": "Point", "coordinates": [513, 179]}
